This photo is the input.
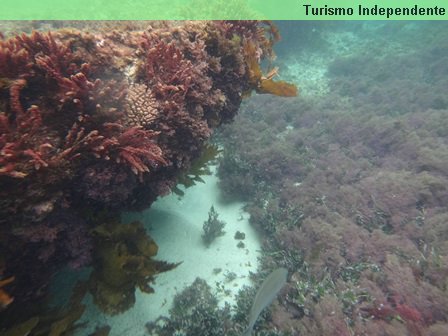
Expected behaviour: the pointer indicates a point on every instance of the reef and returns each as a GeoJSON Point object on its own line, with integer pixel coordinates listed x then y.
{"type": "Point", "coordinates": [98, 119]}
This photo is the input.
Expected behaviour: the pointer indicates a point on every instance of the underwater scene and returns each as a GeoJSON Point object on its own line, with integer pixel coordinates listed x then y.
{"type": "Point", "coordinates": [223, 178]}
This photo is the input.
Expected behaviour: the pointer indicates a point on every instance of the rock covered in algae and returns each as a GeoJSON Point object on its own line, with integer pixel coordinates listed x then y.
{"type": "Point", "coordinates": [106, 118]}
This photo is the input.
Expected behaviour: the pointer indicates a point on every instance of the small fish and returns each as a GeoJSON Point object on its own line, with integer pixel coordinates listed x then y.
{"type": "Point", "coordinates": [265, 295]}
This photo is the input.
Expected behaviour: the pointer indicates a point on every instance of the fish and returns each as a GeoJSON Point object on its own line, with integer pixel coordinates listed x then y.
{"type": "Point", "coordinates": [265, 295]}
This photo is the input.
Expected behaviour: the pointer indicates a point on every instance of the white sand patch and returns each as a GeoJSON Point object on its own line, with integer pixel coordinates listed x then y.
{"type": "Point", "coordinates": [308, 71]}
{"type": "Point", "coordinates": [175, 223]}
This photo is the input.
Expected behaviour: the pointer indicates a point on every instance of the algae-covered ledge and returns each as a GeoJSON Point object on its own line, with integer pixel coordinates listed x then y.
{"type": "Point", "coordinates": [100, 118]}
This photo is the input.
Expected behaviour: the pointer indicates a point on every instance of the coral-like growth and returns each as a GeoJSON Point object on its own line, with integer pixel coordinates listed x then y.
{"type": "Point", "coordinates": [141, 106]}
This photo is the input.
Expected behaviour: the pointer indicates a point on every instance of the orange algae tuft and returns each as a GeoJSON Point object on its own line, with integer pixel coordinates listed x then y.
{"type": "Point", "coordinates": [279, 88]}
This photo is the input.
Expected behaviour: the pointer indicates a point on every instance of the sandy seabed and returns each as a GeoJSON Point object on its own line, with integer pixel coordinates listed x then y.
{"type": "Point", "coordinates": [175, 223]}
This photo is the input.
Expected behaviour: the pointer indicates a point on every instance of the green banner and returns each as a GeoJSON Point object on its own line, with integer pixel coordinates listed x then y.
{"type": "Point", "coordinates": [223, 9]}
